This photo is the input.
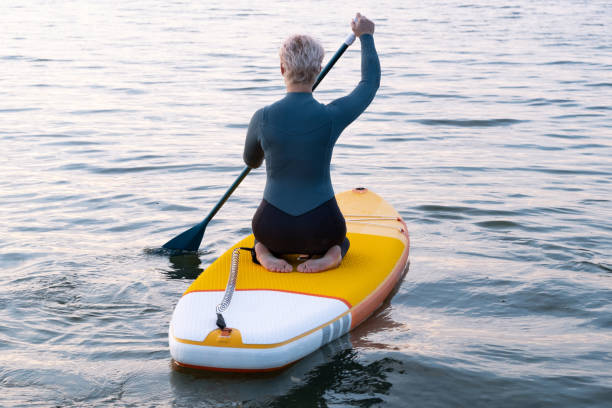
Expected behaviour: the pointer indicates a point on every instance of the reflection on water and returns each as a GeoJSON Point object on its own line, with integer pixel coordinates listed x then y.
{"type": "Point", "coordinates": [261, 388]}
{"type": "Point", "coordinates": [183, 264]}
{"type": "Point", "coordinates": [381, 323]}
{"type": "Point", "coordinates": [342, 380]}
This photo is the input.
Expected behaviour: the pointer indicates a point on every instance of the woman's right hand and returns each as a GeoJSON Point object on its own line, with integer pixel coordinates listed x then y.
{"type": "Point", "coordinates": [361, 25]}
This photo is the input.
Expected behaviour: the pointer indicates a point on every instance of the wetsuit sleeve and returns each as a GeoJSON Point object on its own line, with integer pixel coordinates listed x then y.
{"type": "Point", "coordinates": [253, 153]}
{"type": "Point", "coordinates": [346, 109]}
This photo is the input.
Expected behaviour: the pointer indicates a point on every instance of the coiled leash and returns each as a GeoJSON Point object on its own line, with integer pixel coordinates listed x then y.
{"type": "Point", "coordinates": [231, 286]}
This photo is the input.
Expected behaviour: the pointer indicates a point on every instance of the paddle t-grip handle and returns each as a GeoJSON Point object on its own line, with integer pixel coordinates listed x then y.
{"type": "Point", "coordinates": [351, 37]}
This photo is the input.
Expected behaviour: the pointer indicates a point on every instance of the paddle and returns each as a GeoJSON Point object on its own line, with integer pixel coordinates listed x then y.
{"type": "Point", "coordinates": [191, 239]}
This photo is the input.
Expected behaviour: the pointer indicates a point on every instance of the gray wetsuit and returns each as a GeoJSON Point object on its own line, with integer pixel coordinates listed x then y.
{"type": "Point", "coordinates": [296, 136]}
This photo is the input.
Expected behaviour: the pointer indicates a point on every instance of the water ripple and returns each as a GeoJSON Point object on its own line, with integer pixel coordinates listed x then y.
{"type": "Point", "coordinates": [468, 122]}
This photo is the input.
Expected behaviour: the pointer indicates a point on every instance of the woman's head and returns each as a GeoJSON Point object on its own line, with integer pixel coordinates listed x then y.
{"type": "Point", "coordinates": [301, 57]}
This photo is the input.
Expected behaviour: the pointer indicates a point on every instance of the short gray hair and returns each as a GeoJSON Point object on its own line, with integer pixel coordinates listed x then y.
{"type": "Point", "coordinates": [301, 55]}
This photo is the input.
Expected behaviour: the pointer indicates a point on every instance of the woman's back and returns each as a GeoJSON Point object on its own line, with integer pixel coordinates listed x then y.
{"type": "Point", "coordinates": [297, 142]}
{"type": "Point", "coordinates": [297, 134]}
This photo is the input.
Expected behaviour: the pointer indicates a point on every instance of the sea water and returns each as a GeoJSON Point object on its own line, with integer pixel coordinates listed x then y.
{"type": "Point", "coordinates": [122, 123]}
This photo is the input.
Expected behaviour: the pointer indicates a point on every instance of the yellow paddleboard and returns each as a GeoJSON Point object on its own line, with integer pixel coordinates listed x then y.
{"type": "Point", "coordinates": [275, 319]}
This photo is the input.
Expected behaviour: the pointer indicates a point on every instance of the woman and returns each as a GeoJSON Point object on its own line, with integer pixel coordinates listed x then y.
{"type": "Point", "coordinates": [296, 136]}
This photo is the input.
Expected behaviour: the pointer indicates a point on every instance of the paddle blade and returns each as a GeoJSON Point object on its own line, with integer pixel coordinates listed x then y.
{"type": "Point", "coordinates": [189, 240]}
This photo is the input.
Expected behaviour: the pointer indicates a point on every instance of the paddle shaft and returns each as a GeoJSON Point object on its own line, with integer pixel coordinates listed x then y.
{"type": "Point", "coordinates": [330, 64]}
{"type": "Point", "coordinates": [349, 40]}
{"type": "Point", "coordinates": [227, 194]}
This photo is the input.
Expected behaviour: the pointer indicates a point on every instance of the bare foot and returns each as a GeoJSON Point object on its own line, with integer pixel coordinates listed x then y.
{"type": "Point", "coordinates": [330, 260]}
{"type": "Point", "coordinates": [269, 261]}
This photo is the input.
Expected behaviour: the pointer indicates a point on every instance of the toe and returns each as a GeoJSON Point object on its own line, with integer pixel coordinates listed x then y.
{"type": "Point", "coordinates": [307, 267]}
{"type": "Point", "coordinates": [282, 266]}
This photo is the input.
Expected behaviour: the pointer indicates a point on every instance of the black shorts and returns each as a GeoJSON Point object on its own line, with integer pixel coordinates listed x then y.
{"type": "Point", "coordinates": [312, 233]}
